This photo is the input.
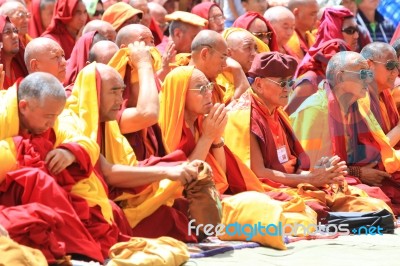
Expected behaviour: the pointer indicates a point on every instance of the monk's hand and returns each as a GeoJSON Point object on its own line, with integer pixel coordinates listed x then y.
{"type": "Point", "coordinates": [332, 171]}
{"type": "Point", "coordinates": [139, 54]}
{"type": "Point", "coordinates": [371, 176]}
{"type": "Point", "coordinates": [185, 173]}
{"type": "Point", "coordinates": [59, 159]}
{"type": "Point", "coordinates": [169, 54]}
{"type": "Point", "coordinates": [215, 122]}
{"type": "Point", "coordinates": [290, 166]}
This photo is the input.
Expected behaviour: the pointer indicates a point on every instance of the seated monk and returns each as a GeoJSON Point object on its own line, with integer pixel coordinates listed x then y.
{"type": "Point", "coordinates": [102, 52]}
{"type": "Point", "coordinates": [138, 116]}
{"type": "Point", "coordinates": [121, 14]}
{"type": "Point", "coordinates": [210, 56]}
{"type": "Point", "coordinates": [19, 16]}
{"type": "Point", "coordinates": [12, 53]}
{"type": "Point", "coordinates": [69, 18]}
{"type": "Point", "coordinates": [47, 175]}
{"type": "Point", "coordinates": [305, 14]}
{"type": "Point", "coordinates": [336, 23]}
{"type": "Point", "coordinates": [102, 27]}
{"type": "Point", "coordinates": [41, 14]}
{"type": "Point", "coordinates": [146, 194]}
{"type": "Point", "coordinates": [259, 133]}
{"type": "Point", "coordinates": [213, 13]}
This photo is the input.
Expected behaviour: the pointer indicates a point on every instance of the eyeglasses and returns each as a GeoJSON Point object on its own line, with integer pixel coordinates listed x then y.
{"type": "Point", "coordinates": [363, 74]}
{"type": "Point", "coordinates": [10, 32]}
{"type": "Point", "coordinates": [263, 35]}
{"type": "Point", "coordinates": [98, 13]}
{"type": "Point", "coordinates": [351, 30]}
{"type": "Point", "coordinates": [284, 83]}
{"type": "Point", "coordinates": [22, 15]}
{"type": "Point", "coordinates": [389, 65]}
{"type": "Point", "coordinates": [217, 17]}
{"type": "Point", "coordinates": [204, 88]}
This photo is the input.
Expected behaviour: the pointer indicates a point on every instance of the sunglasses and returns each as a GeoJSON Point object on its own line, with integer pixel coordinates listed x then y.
{"type": "Point", "coordinates": [98, 13]}
{"type": "Point", "coordinates": [389, 65]}
{"type": "Point", "coordinates": [204, 88]}
{"type": "Point", "coordinates": [351, 30]}
{"type": "Point", "coordinates": [262, 35]}
{"type": "Point", "coordinates": [363, 74]}
{"type": "Point", "coordinates": [284, 83]}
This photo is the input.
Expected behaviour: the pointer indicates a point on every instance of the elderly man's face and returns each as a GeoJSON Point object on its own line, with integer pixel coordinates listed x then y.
{"type": "Point", "coordinates": [52, 61]}
{"type": "Point", "coordinates": [244, 52]}
{"type": "Point", "coordinates": [284, 29]}
{"type": "Point", "coordinates": [215, 60]}
{"type": "Point", "coordinates": [37, 117]}
{"type": "Point", "coordinates": [274, 91]}
{"type": "Point", "coordinates": [306, 17]}
{"type": "Point", "coordinates": [20, 18]}
{"type": "Point", "coordinates": [259, 29]}
{"type": "Point", "coordinates": [146, 18]}
{"type": "Point", "coordinates": [355, 78]}
{"type": "Point", "coordinates": [183, 38]}
{"type": "Point", "coordinates": [385, 70]}
{"type": "Point", "coordinates": [199, 94]}
{"type": "Point", "coordinates": [216, 19]}
{"type": "Point", "coordinates": [111, 97]}
{"type": "Point", "coordinates": [10, 39]}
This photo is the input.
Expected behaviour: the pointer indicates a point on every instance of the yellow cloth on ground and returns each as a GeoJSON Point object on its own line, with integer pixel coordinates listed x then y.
{"type": "Point", "coordinates": [248, 210]}
{"type": "Point", "coordinates": [91, 189]}
{"type": "Point", "coordinates": [163, 251]}
{"type": "Point", "coordinates": [82, 110]}
{"type": "Point", "coordinates": [13, 253]}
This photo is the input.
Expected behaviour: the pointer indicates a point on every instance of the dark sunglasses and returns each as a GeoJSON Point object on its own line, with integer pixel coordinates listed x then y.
{"type": "Point", "coordinates": [389, 65]}
{"type": "Point", "coordinates": [98, 13]}
{"type": "Point", "coordinates": [284, 83]}
{"type": "Point", "coordinates": [351, 30]}
{"type": "Point", "coordinates": [262, 35]}
{"type": "Point", "coordinates": [363, 74]}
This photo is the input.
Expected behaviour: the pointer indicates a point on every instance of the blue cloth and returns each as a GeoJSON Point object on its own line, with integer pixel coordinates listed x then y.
{"type": "Point", "coordinates": [390, 10]}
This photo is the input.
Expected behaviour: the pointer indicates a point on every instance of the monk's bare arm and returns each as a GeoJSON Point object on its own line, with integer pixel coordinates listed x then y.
{"type": "Point", "coordinates": [240, 81]}
{"type": "Point", "coordinates": [125, 176]}
{"type": "Point", "coordinates": [146, 112]}
{"type": "Point", "coordinates": [394, 135]}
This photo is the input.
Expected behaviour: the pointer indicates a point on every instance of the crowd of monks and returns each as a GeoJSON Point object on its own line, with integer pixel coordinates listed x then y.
{"type": "Point", "coordinates": [123, 119]}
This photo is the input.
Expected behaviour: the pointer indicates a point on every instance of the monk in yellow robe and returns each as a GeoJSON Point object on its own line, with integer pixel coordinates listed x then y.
{"type": "Point", "coordinates": [146, 194]}
{"type": "Point", "coordinates": [259, 132]}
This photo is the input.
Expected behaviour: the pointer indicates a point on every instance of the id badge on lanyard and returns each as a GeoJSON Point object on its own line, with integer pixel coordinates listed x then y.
{"type": "Point", "coordinates": [282, 154]}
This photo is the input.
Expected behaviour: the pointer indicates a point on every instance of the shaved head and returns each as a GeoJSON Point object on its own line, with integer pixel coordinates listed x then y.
{"type": "Point", "coordinates": [242, 48]}
{"type": "Point", "coordinates": [102, 52]}
{"type": "Point", "coordinates": [103, 27]}
{"type": "Point", "coordinates": [107, 72]}
{"type": "Point", "coordinates": [16, 12]}
{"type": "Point", "coordinates": [8, 8]}
{"type": "Point", "coordinates": [283, 22]}
{"type": "Point", "coordinates": [204, 38]}
{"type": "Point", "coordinates": [134, 32]}
{"type": "Point", "coordinates": [292, 4]}
{"type": "Point", "coordinates": [278, 13]}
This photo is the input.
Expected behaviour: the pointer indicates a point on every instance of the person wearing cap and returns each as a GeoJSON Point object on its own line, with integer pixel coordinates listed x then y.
{"type": "Point", "coordinates": [346, 126]}
{"type": "Point", "coordinates": [210, 55]}
{"type": "Point", "coordinates": [20, 17]}
{"type": "Point", "coordinates": [69, 18]}
{"type": "Point", "coordinates": [122, 14]}
{"type": "Point", "coordinates": [213, 13]}
{"type": "Point", "coordinates": [336, 23]}
{"type": "Point", "coordinates": [259, 133]}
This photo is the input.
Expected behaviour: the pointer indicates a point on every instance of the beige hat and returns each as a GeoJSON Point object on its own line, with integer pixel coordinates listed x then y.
{"type": "Point", "coordinates": [187, 18]}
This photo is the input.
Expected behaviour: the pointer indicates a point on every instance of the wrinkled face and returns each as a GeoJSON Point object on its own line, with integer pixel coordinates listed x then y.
{"type": "Point", "coordinates": [37, 117]}
{"type": "Point", "coordinates": [79, 17]}
{"type": "Point", "coordinates": [385, 74]}
{"type": "Point", "coordinates": [216, 19]}
{"type": "Point", "coordinates": [46, 14]}
{"type": "Point", "coordinates": [159, 17]}
{"type": "Point", "coordinates": [111, 97]}
{"type": "Point", "coordinates": [198, 102]}
{"type": "Point", "coordinates": [272, 93]}
{"type": "Point", "coordinates": [259, 6]}
{"type": "Point", "coordinates": [20, 18]}
{"type": "Point", "coordinates": [51, 60]}
{"type": "Point", "coordinates": [284, 29]}
{"type": "Point", "coordinates": [215, 60]}
{"type": "Point", "coordinates": [350, 33]}
{"type": "Point", "coordinates": [259, 29]}
{"type": "Point", "coordinates": [307, 16]}
{"type": "Point", "coordinates": [244, 52]}
{"type": "Point", "coordinates": [10, 39]}
{"type": "Point", "coordinates": [354, 81]}
{"type": "Point", "coordinates": [183, 40]}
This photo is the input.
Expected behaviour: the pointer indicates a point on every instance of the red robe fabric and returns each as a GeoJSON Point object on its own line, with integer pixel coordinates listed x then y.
{"type": "Point", "coordinates": [33, 150]}
{"type": "Point", "coordinates": [35, 23]}
{"type": "Point", "coordinates": [156, 31]}
{"type": "Point", "coordinates": [79, 57]}
{"type": "Point", "coordinates": [247, 18]}
{"type": "Point", "coordinates": [18, 68]}
{"type": "Point", "coordinates": [57, 30]}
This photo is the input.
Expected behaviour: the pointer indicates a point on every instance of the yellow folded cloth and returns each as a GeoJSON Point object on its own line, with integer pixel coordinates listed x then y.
{"type": "Point", "coordinates": [163, 251]}
{"type": "Point", "coordinates": [13, 253]}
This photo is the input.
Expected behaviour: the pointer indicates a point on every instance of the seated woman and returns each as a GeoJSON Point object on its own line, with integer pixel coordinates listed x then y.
{"type": "Point", "coordinates": [337, 32]}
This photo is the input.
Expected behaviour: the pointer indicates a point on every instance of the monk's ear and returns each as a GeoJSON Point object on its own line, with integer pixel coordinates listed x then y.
{"type": "Point", "coordinates": [339, 77]}
{"type": "Point", "coordinates": [371, 64]}
{"type": "Point", "coordinates": [22, 105]}
{"type": "Point", "coordinates": [256, 84]}
{"type": "Point", "coordinates": [295, 11]}
{"type": "Point", "coordinates": [34, 65]}
{"type": "Point", "coordinates": [123, 46]}
{"type": "Point", "coordinates": [203, 53]}
{"type": "Point", "coordinates": [88, 62]}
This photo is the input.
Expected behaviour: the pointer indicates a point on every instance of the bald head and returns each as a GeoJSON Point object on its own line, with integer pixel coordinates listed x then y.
{"type": "Point", "coordinates": [278, 13]}
{"type": "Point", "coordinates": [242, 47]}
{"type": "Point", "coordinates": [206, 38]}
{"type": "Point", "coordinates": [102, 52]}
{"type": "Point", "coordinates": [292, 4]}
{"type": "Point", "coordinates": [17, 14]}
{"type": "Point", "coordinates": [378, 51]}
{"type": "Point", "coordinates": [45, 55]}
{"type": "Point", "coordinates": [343, 61]}
{"type": "Point", "coordinates": [158, 12]}
{"type": "Point", "coordinates": [305, 12]}
{"type": "Point", "coordinates": [283, 22]}
{"type": "Point", "coordinates": [103, 27]}
{"type": "Point", "coordinates": [132, 33]}
{"type": "Point", "coordinates": [8, 8]}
